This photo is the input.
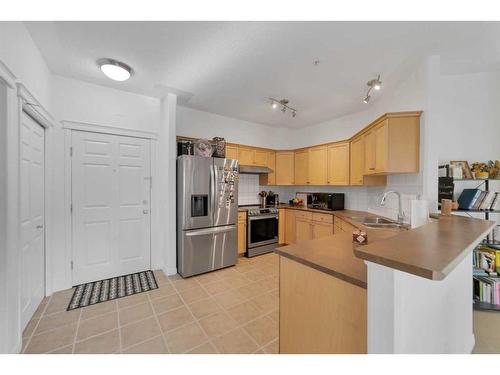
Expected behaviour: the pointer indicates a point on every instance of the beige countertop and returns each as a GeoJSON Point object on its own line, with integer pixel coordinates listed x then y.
{"type": "Point", "coordinates": [431, 251]}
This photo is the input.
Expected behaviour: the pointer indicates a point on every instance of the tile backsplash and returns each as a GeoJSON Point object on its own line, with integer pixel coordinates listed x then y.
{"type": "Point", "coordinates": [356, 197]}
{"type": "Point", "coordinates": [248, 189]}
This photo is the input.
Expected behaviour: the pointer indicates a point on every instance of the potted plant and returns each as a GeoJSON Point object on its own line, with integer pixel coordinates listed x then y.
{"type": "Point", "coordinates": [481, 170]}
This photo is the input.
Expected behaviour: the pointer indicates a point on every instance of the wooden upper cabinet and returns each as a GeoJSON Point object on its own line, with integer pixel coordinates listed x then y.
{"type": "Point", "coordinates": [269, 178]}
{"type": "Point", "coordinates": [357, 160]}
{"type": "Point", "coordinates": [284, 168]}
{"type": "Point", "coordinates": [271, 163]}
{"type": "Point", "coordinates": [369, 152]}
{"type": "Point", "coordinates": [392, 144]}
{"type": "Point", "coordinates": [231, 151]}
{"type": "Point", "coordinates": [317, 165]}
{"type": "Point", "coordinates": [261, 158]}
{"type": "Point", "coordinates": [302, 167]}
{"type": "Point", "coordinates": [338, 164]}
{"type": "Point", "coordinates": [246, 156]}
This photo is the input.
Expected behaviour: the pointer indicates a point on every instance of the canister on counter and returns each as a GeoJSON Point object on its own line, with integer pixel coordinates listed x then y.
{"type": "Point", "coordinates": [359, 237]}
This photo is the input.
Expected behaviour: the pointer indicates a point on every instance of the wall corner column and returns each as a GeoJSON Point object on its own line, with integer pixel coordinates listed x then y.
{"type": "Point", "coordinates": [166, 186]}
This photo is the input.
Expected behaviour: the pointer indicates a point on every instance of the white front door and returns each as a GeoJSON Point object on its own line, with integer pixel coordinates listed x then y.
{"type": "Point", "coordinates": [32, 169]}
{"type": "Point", "coordinates": [111, 205]}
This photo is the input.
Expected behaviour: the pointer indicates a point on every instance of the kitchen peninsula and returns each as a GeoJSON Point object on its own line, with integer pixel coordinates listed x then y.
{"type": "Point", "coordinates": [402, 291]}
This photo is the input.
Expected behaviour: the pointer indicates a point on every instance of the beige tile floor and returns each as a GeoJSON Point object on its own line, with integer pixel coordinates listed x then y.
{"type": "Point", "coordinates": [234, 310]}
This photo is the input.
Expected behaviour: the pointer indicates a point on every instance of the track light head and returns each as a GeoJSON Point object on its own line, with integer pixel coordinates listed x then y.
{"type": "Point", "coordinates": [274, 105]}
{"type": "Point", "coordinates": [283, 105]}
{"type": "Point", "coordinates": [294, 114]}
{"type": "Point", "coordinates": [366, 99]}
{"type": "Point", "coordinates": [375, 84]}
{"type": "Point", "coordinates": [283, 109]}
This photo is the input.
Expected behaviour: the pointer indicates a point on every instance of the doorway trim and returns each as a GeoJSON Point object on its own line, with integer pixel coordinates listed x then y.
{"type": "Point", "coordinates": [29, 104]}
{"type": "Point", "coordinates": [70, 126]}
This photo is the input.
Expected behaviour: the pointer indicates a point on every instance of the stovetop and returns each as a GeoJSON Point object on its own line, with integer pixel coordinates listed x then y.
{"type": "Point", "coordinates": [258, 210]}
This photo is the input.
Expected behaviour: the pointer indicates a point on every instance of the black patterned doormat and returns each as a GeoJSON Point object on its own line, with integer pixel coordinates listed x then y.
{"type": "Point", "coordinates": [117, 287]}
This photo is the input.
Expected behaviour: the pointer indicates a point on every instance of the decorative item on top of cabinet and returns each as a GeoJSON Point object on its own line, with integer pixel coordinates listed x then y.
{"type": "Point", "coordinates": [285, 168]}
{"type": "Point", "coordinates": [301, 167]}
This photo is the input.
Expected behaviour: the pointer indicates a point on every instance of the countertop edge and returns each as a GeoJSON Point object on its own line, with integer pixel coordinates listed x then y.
{"type": "Point", "coordinates": [320, 268]}
{"type": "Point", "coordinates": [419, 271]}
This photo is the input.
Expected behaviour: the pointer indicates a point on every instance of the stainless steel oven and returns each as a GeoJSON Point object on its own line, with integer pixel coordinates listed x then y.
{"type": "Point", "coordinates": [262, 227]}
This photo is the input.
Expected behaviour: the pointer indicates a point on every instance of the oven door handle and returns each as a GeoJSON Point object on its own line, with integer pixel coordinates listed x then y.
{"type": "Point", "coordinates": [262, 217]}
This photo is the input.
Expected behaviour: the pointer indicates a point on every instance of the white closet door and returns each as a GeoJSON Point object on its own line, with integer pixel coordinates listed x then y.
{"type": "Point", "coordinates": [32, 216]}
{"type": "Point", "coordinates": [111, 205]}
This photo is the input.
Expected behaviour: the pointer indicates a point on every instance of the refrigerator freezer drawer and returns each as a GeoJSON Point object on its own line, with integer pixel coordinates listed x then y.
{"type": "Point", "coordinates": [204, 250]}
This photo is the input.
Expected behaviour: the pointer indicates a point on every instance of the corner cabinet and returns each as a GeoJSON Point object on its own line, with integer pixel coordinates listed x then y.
{"type": "Point", "coordinates": [301, 167]}
{"type": "Point", "coordinates": [338, 164]}
{"type": "Point", "coordinates": [317, 167]}
{"type": "Point", "coordinates": [285, 170]}
{"type": "Point", "coordinates": [392, 144]}
{"type": "Point", "coordinates": [357, 151]}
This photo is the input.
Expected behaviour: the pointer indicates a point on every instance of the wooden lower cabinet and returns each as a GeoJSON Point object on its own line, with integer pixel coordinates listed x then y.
{"type": "Point", "coordinates": [320, 230]}
{"type": "Point", "coordinates": [281, 226]}
{"type": "Point", "coordinates": [302, 229]}
{"type": "Point", "coordinates": [289, 227]}
{"type": "Point", "coordinates": [320, 313]}
{"type": "Point", "coordinates": [242, 232]}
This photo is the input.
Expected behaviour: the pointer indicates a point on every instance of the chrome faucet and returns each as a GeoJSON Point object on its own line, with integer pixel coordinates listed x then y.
{"type": "Point", "coordinates": [401, 216]}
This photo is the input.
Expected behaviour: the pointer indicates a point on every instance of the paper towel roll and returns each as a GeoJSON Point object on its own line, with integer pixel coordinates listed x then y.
{"type": "Point", "coordinates": [419, 212]}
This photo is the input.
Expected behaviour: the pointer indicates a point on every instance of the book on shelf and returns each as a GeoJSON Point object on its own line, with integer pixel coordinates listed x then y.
{"type": "Point", "coordinates": [487, 201]}
{"type": "Point", "coordinates": [468, 198]}
{"type": "Point", "coordinates": [487, 289]}
{"type": "Point", "coordinates": [495, 204]}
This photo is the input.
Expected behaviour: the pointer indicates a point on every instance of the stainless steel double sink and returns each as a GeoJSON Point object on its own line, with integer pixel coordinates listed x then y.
{"type": "Point", "coordinates": [377, 222]}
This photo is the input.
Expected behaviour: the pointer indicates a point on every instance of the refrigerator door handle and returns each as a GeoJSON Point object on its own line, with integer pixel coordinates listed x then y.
{"type": "Point", "coordinates": [211, 192]}
{"type": "Point", "coordinates": [204, 232]}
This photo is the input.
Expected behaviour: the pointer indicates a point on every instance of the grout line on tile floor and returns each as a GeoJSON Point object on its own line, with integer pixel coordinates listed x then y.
{"type": "Point", "coordinates": [164, 339]}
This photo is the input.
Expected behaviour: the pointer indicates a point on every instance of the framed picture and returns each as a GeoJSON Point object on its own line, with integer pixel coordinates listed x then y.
{"type": "Point", "coordinates": [466, 172]}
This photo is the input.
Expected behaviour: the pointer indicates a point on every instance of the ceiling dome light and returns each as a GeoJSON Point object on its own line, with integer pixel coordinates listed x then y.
{"type": "Point", "coordinates": [114, 69]}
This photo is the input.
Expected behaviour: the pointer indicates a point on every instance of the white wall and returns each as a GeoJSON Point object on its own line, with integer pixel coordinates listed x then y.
{"type": "Point", "coordinates": [408, 314]}
{"type": "Point", "coordinates": [80, 101]}
{"type": "Point", "coordinates": [20, 62]}
{"type": "Point", "coordinates": [199, 124]}
{"type": "Point", "coordinates": [20, 54]}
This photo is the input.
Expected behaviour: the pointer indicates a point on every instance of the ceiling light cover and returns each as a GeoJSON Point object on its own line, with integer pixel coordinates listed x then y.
{"type": "Point", "coordinates": [115, 69]}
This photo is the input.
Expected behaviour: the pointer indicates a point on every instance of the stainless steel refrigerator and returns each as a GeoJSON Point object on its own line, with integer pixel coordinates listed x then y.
{"type": "Point", "coordinates": [207, 214]}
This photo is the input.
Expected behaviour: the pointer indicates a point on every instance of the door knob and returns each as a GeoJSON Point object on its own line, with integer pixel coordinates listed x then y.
{"type": "Point", "coordinates": [39, 227]}
{"type": "Point", "coordinates": [145, 212]}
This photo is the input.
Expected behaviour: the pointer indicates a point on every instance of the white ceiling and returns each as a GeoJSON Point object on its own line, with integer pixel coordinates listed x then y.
{"type": "Point", "coordinates": [232, 68]}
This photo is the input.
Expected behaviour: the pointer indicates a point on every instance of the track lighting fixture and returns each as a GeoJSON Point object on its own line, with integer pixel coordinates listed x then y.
{"type": "Point", "coordinates": [283, 103]}
{"type": "Point", "coordinates": [374, 84]}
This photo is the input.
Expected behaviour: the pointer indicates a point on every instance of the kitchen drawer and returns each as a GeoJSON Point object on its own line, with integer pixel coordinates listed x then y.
{"type": "Point", "coordinates": [322, 218]}
{"type": "Point", "coordinates": [303, 215]}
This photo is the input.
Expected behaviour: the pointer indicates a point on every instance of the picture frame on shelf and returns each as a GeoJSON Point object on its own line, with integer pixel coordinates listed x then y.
{"type": "Point", "coordinates": [464, 167]}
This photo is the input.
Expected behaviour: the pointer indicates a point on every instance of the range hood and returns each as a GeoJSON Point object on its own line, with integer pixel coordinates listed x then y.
{"type": "Point", "coordinates": [254, 169]}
